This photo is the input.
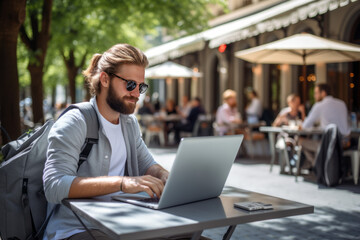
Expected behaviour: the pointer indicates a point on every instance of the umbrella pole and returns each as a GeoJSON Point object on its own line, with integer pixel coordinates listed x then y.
{"type": "Point", "coordinates": [304, 92]}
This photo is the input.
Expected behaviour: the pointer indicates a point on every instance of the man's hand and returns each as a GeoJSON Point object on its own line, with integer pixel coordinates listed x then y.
{"type": "Point", "coordinates": [159, 172]}
{"type": "Point", "coordinates": [149, 184]}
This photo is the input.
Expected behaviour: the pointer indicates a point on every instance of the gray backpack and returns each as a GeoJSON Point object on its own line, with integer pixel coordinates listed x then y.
{"type": "Point", "coordinates": [22, 200]}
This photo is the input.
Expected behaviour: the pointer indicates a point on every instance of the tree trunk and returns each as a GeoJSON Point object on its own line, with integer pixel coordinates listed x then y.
{"type": "Point", "coordinates": [38, 46]}
{"type": "Point", "coordinates": [72, 71]}
{"type": "Point", "coordinates": [12, 15]}
{"type": "Point", "coordinates": [37, 94]}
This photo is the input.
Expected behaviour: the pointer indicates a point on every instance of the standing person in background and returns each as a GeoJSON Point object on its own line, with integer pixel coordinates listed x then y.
{"type": "Point", "coordinates": [227, 115]}
{"type": "Point", "coordinates": [254, 108]}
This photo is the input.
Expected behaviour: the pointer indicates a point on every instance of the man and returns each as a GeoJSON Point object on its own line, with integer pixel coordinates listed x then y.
{"type": "Point", "coordinates": [227, 115]}
{"type": "Point", "coordinates": [254, 108]}
{"type": "Point", "coordinates": [119, 162]}
{"type": "Point", "coordinates": [325, 111]}
{"type": "Point", "coordinates": [188, 126]}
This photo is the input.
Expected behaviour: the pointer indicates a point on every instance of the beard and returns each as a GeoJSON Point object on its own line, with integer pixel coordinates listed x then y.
{"type": "Point", "coordinates": [118, 104]}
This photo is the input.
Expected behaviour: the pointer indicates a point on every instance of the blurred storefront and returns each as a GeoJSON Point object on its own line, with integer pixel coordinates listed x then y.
{"type": "Point", "coordinates": [255, 23]}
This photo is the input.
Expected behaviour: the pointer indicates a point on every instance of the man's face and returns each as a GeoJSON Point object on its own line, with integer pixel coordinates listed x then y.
{"type": "Point", "coordinates": [120, 99]}
{"type": "Point", "coordinates": [318, 95]}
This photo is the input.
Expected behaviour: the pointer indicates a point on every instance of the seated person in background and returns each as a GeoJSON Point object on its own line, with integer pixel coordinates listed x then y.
{"type": "Point", "coordinates": [295, 111]}
{"type": "Point", "coordinates": [325, 111]}
{"type": "Point", "coordinates": [170, 107]}
{"type": "Point", "coordinates": [188, 126]}
{"type": "Point", "coordinates": [146, 108]}
{"type": "Point", "coordinates": [185, 107]}
{"type": "Point", "coordinates": [254, 108]}
{"type": "Point", "coordinates": [227, 115]}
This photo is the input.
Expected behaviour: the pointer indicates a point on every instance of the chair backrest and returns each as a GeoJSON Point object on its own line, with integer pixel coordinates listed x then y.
{"type": "Point", "coordinates": [203, 125]}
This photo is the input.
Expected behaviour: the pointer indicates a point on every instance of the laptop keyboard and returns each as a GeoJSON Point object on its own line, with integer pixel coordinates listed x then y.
{"type": "Point", "coordinates": [149, 200]}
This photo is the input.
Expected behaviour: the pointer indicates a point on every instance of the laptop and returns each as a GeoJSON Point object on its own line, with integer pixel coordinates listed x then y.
{"type": "Point", "coordinates": [199, 172]}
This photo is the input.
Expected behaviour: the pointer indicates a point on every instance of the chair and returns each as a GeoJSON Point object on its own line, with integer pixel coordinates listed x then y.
{"type": "Point", "coordinates": [151, 128]}
{"type": "Point", "coordinates": [284, 161]}
{"type": "Point", "coordinates": [202, 127]}
{"type": "Point", "coordinates": [280, 148]}
{"type": "Point", "coordinates": [354, 154]}
{"type": "Point", "coordinates": [253, 136]}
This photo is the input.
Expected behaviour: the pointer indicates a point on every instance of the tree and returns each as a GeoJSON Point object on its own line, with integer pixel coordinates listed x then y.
{"type": "Point", "coordinates": [102, 23]}
{"type": "Point", "coordinates": [12, 15]}
{"type": "Point", "coordinates": [81, 28]}
{"type": "Point", "coordinates": [36, 38]}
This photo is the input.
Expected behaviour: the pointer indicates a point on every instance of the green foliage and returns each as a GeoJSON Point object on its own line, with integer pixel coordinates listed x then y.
{"type": "Point", "coordinates": [87, 27]}
{"type": "Point", "coordinates": [23, 57]}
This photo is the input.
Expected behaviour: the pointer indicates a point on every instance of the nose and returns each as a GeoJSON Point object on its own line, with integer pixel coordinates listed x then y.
{"type": "Point", "coordinates": [136, 92]}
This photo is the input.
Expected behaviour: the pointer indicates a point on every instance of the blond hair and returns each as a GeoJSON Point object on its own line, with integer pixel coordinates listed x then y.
{"type": "Point", "coordinates": [228, 94]}
{"type": "Point", "coordinates": [109, 61]}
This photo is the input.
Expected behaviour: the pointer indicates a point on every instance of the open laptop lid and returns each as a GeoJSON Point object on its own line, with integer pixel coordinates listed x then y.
{"type": "Point", "coordinates": [199, 172]}
{"type": "Point", "coordinates": [200, 169]}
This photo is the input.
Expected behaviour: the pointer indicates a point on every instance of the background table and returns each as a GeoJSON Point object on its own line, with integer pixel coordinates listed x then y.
{"type": "Point", "coordinates": [125, 221]}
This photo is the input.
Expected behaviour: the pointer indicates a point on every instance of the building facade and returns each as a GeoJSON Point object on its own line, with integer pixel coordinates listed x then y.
{"type": "Point", "coordinates": [212, 52]}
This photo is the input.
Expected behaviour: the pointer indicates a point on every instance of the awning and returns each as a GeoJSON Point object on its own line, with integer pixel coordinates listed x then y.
{"type": "Point", "coordinates": [282, 15]}
{"type": "Point", "coordinates": [273, 18]}
{"type": "Point", "coordinates": [174, 49]}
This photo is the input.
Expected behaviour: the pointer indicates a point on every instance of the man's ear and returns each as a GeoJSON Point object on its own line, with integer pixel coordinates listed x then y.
{"type": "Point", "coordinates": [104, 79]}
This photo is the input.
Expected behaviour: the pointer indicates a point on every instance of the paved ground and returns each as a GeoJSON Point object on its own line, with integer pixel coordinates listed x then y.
{"type": "Point", "coordinates": [337, 210]}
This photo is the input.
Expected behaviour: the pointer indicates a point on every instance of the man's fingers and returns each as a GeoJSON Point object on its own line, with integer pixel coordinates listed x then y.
{"type": "Point", "coordinates": [148, 184]}
{"type": "Point", "coordinates": [155, 185]}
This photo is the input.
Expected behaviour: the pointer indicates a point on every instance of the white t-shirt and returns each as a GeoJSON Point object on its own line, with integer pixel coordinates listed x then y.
{"type": "Point", "coordinates": [118, 148]}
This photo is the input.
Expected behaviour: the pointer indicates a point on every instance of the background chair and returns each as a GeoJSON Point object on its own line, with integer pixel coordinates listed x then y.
{"type": "Point", "coordinates": [152, 128]}
{"type": "Point", "coordinates": [354, 154]}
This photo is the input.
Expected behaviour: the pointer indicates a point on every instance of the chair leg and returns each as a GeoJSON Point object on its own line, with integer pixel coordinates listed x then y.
{"type": "Point", "coordinates": [147, 138]}
{"type": "Point", "coordinates": [298, 168]}
{"type": "Point", "coordinates": [272, 149]}
{"type": "Point", "coordinates": [162, 138]}
{"type": "Point", "coordinates": [355, 162]}
{"type": "Point", "coordinates": [282, 161]}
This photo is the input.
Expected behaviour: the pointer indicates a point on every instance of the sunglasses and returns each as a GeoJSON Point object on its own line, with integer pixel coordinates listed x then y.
{"type": "Point", "coordinates": [131, 85]}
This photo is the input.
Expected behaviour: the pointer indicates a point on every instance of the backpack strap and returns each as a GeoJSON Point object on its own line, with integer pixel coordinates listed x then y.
{"type": "Point", "coordinates": [92, 137]}
{"type": "Point", "coordinates": [92, 125]}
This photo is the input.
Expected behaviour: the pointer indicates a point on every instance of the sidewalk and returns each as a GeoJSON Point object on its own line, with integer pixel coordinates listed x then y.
{"type": "Point", "coordinates": [337, 210]}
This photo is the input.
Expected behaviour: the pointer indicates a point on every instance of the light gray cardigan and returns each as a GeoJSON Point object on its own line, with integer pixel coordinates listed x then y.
{"type": "Point", "coordinates": [66, 138]}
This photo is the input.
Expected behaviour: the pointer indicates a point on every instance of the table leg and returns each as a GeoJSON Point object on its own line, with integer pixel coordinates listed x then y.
{"type": "Point", "coordinates": [272, 149]}
{"type": "Point", "coordinates": [229, 232]}
{"type": "Point", "coordinates": [82, 223]}
{"type": "Point", "coordinates": [196, 235]}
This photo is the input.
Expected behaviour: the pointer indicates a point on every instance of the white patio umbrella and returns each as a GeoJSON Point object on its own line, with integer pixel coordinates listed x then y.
{"type": "Point", "coordinates": [170, 70]}
{"type": "Point", "coordinates": [302, 49]}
